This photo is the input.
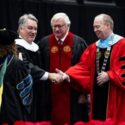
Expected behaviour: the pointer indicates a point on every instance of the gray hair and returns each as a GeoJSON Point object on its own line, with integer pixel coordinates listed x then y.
{"type": "Point", "coordinates": [107, 19]}
{"type": "Point", "coordinates": [24, 18]}
{"type": "Point", "coordinates": [63, 16]}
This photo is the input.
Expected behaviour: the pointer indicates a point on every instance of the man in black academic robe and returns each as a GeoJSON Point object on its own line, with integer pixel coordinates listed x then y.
{"type": "Point", "coordinates": [62, 49]}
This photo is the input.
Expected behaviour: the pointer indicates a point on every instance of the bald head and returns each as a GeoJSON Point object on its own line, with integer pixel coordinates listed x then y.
{"type": "Point", "coordinates": [103, 26]}
{"type": "Point", "coordinates": [106, 19]}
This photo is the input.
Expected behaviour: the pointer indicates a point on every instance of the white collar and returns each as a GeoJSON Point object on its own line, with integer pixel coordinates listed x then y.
{"type": "Point", "coordinates": [32, 47]}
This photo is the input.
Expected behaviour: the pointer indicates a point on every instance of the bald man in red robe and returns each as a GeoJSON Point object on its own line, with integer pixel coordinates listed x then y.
{"type": "Point", "coordinates": [101, 71]}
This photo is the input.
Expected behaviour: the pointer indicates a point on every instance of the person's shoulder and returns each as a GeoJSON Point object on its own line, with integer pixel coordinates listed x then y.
{"type": "Point", "coordinates": [16, 65]}
{"type": "Point", "coordinates": [45, 38]}
{"type": "Point", "coordinates": [78, 37]}
{"type": "Point", "coordinates": [19, 47]}
{"type": "Point", "coordinates": [92, 45]}
{"type": "Point", "coordinates": [121, 41]}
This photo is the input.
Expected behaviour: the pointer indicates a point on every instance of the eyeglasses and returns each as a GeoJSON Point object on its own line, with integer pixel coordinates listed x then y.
{"type": "Point", "coordinates": [58, 26]}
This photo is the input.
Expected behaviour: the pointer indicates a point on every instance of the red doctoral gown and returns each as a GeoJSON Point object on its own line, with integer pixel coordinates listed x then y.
{"type": "Point", "coordinates": [84, 73]}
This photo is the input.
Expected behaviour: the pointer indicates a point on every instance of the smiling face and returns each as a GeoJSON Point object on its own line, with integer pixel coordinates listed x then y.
{"type": "Point", "coordinates": [59, 28]}
{"type": "Point", "coordinates": [102, 28]}
{"type": "Point", "coordinates": [28, 31]}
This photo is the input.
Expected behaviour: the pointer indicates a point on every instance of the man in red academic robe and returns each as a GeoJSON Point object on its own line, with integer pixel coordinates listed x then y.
{"type": "Point", "coordinates": [61, 50]}
{"type": "Point", "coordinates": [101, 71]}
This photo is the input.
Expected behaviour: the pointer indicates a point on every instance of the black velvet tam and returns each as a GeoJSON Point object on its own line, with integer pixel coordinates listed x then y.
{"type": "Point", "coordinates": [7, 36]}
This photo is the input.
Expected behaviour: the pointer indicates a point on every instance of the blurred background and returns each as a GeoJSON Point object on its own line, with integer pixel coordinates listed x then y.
{"type": "Point", "coordinates": [80, 12]}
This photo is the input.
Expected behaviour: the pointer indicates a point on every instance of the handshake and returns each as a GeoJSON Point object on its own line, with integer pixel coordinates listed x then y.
{"type": "Point", "coordinates": [58, 77]}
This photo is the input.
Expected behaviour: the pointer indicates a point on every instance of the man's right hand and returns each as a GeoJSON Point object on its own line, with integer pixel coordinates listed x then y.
{"type": "Point", "coordinates": [64, 75]}
{"type": "Point", "coordinates": [55, 77]}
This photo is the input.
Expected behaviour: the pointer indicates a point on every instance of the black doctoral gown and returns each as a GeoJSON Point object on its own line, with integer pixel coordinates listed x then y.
{"type": "Point", "coordinates": [32, 60]}
{"type": "Point", "coordinates": [17, 93]}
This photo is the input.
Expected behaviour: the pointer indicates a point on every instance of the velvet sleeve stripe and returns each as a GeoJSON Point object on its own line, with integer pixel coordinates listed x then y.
{"type": "Point", "coordinates": [25, 88]}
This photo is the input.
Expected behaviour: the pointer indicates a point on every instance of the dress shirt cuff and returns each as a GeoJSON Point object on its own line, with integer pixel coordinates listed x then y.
{"type": "Point", "coordinates": [45, 76]}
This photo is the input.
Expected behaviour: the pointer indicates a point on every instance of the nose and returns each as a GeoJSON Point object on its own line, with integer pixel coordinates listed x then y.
{"type": "Point", "coordinates": [34, 31]}
{"type": "Point", "coordinates": [95, 30]}
{"type": "Point", "coordinates": [57, 28]}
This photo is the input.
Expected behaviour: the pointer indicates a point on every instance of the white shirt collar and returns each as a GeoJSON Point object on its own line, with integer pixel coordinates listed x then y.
{"type": "Point", "coordinates": [32, 46]}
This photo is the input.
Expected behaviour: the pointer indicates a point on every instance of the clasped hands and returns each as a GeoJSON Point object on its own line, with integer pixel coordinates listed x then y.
{"type": "Point", "coordinates": [58, 77]}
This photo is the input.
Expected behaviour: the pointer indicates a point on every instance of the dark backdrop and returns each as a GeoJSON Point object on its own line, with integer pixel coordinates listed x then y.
{"type": "Point", "coordinates": [81, 15]}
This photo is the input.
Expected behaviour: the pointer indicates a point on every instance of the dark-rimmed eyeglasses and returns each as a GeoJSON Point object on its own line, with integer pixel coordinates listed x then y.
{"type": "Point", "coordinates": [58, 26]}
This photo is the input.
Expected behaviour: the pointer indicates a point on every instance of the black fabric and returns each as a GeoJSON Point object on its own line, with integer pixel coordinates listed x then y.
{"type": "Point", "coordinates": [12, 107]}
{"type": "Point", "coordinates": [100, 93]}
{"type": "Point", "coordinates": [122, 58]}
{"type": "Point", "coordinates": [32, 61]}
{"type": "Point", "coordinates": [122, 67]}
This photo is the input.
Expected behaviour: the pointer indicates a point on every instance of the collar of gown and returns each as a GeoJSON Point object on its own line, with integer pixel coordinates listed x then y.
{"type": "Point", "coordinates": [111, 40]}
{"type": "Point", "coordinates": [32, 47]}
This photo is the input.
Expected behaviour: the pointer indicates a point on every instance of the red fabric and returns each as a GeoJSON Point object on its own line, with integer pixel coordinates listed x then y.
{"type": "Point", "coordinates": [96, 122]}
{"type": "Point", "coordinates": [80, 123]}
{"type": "Point", "coordinates": [122, 123]}
{"type": "Point", "coordinates": [60, 57]}
{"type": "Point", "coordinates": [5, 124]}
{"type": "Point", "coordinates": [31, 123]}
{"type": "Point", "coordinates": [84, 74]}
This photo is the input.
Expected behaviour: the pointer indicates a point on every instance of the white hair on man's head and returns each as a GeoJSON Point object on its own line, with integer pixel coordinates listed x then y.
{"type": "Point", "coordinates": [61, 15]}
{"type": "Point", "coordinates": [24, 18]}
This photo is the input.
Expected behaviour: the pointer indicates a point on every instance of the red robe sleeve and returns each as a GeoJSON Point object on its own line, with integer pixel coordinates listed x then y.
{"type": "Point", "coordinates": [117, 65]}
{"type": "Point", "coordinates": [81, 71]}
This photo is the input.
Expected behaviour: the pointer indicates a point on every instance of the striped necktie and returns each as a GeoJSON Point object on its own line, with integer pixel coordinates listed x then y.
{"type": "Point", "coordinates": [60, 42]}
